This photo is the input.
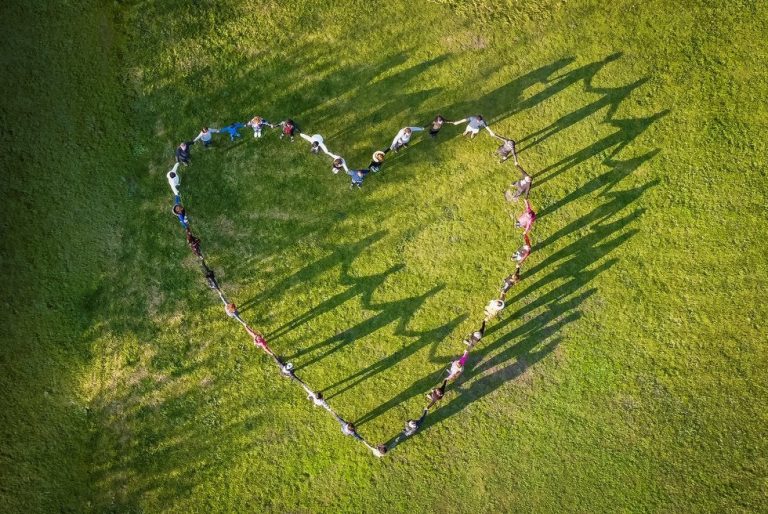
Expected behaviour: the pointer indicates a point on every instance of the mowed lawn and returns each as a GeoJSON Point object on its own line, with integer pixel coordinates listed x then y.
{"type": "Point", "coordinates": [628, 372]}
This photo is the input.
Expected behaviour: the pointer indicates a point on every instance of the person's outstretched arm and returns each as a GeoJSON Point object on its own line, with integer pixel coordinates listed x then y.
{"type": "Point", "coordinates": [490, 131]}
{"type": "Point", "coordinates": [396, 139]}
{"type": "Point", "coordinates": [198, 136]}
{"type": "Point", "coordinates": [459, 122]}
{"type": "Point", "coordinates": [323, 148]}
{"type": "Point", "coordinates": [305, 137]}
{"type": "Point", "coordinates": [416, 129]}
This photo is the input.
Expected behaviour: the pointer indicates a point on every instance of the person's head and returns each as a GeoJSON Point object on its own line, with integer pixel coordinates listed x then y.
{"type": "Point", "coordinates": [172, 174]}
{"type": "Point", "coordinates": [183, 146]}
{"type": "Point", "coordinates": [407, 130]}
{"type": "Point", "coordinates": [479, 117]}
{"type": "Point", "coordinates": [382, 448]}
{"type": "Point", "coordinates": [411, 423]}
{"type": "Point", "coordinates": [205, 129]}
{"type": "Point", "coordinates": [319, 395]}
{"type": "Point", "coordinates": [257, 119]}
{"type": "Point", "coordinates": [337, 162]}
{"type": "Point", "coordinates": [349, 427]}
{"type": "Point", "coordinates": [178, 209]}
{"type": "Point", "coordinates": [439, 117]}
{"type": "Point", "coordinates": [477, 335]}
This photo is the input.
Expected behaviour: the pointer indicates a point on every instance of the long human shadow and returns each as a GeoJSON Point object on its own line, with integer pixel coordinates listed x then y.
{"type": "Point", "coordinates": [627, 131]}
{"type": "Point", "coordinates": [619, 170]}
{"type": "Point", "coordinates": [572, 268]}
{"type": "Point", "coordinates": [342, 255]}
{"type": "Point", "coordinates": [359, 286]}
{"type": "Point", "coordinates": [611, 98]}
{"type": "Point", "coordinates": [424, 338]}
{"type": "Point", "coordinates": [401, 311]}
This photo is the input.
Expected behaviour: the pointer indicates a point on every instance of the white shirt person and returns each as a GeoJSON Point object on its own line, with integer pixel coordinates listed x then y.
{"type": "Point", "coordinates": [174, 180]}
{"type": "Point", "coordinates": [403, 138]}
{"type": "Point", "coordinates": [317, 142]}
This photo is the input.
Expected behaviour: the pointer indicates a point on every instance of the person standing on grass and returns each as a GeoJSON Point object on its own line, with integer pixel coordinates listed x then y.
{"type": "Point", "coordinates": [258, 123]}
{"type": "Point", "coordinates": [413, 425]}
{"type": "Point", "coordinates": [318, 399]}
{"type": "Point", "coordinates": [182, 152]}
{"type": "Point", "coordinates": [206, 136]}
{"type": "Point", "coordinates": [316, 142]}
{"type": "Point", "coordinates": [338, 164]}
{"type": "Point", "coordinates": [194, 244]}
{"type": "Point", "coordinates": [457, 367]}
{"type": "Point", "coordinates": [210, 276]}
{"type": "Point", "coordinates": [233, 130]}
{"type": "Point", "coordinates": [493, 308]}
{"type": "Point", "coordinates": [527, 218]}
{"type": "Point", "coordinates": [522, 187]}
{"type": "Point", "coordinates": [510, 281]}
{"type": "Point", "coordinates": [289, 128]}
{"type": "Point", "coordinates": [180, 213]}
{"type": "Point", "coordinates": [475, 337]}
{"type": "Point", "coordinates": [349, 429]}
{"type": "Point", "coordinates": [436, 394]}
{"type": "Point", "coordinates": [523, 252]}
{"type": "Point", "coordinates": [376, 161]}
{"type": "Point", "coordinates": [436, 125]}
{"type": "Point", "coordinates": [174, 180]}
{"type": "Point", "coordinates": [357, 178]}
{"type": "Point", "coordinates": [402, 138]}
{"type": "Point", "coordinates": [507, 149]}
{"type": "Point", "coordinates": [474, 125]}
{"type": "Point", "coordinates": [231, 310]}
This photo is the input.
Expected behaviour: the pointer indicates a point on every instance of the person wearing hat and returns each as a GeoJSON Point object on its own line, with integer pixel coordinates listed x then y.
{"type": "Point", "coordinates": [174, 180]}
{"type": "Point", "coordinates": [403, 138]}
{"type": "Point", "coordinates": [182, 152]}
{"type": "Point", "coordinates": [376, 161]}
{"type": "Point", "coordinates": [474, 124]}
{"type": "Point", "coordinates": [317, 143]}
{"type": "Point", "coordinates": [493, 308]}
{"type": "Point", "coordinates": [257, 123]}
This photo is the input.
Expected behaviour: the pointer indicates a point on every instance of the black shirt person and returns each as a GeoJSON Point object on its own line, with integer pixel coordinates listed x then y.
{"type": "Point", "coordinates": [182, 152]}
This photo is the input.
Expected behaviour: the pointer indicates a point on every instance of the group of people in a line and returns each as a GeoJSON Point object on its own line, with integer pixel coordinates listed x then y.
{"type": "Point", "coordinates": [288, 130]}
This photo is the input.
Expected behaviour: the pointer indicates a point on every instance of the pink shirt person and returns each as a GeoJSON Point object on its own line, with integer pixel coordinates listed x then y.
{"type": "Point", "coordinates": [526, 219]}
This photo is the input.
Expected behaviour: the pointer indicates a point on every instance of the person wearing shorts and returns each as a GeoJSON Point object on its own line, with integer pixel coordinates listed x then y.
{"type": "Point", "coordinates": [474, 125]}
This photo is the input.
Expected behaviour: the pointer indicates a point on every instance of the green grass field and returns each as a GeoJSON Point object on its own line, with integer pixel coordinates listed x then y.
{"type": "Point", "coordinates": [628, 372]}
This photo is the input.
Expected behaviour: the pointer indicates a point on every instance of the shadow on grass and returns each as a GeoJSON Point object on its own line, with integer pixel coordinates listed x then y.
{"type": "Point", "coordinates": [185, 451]}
